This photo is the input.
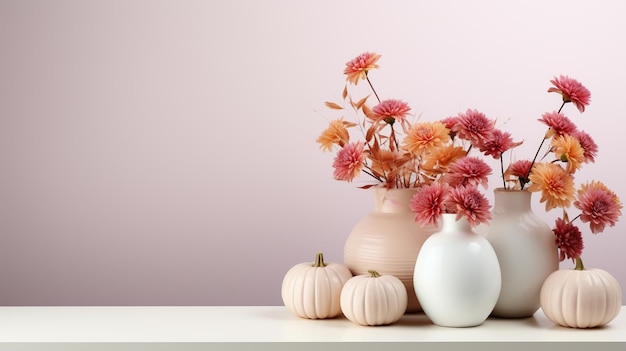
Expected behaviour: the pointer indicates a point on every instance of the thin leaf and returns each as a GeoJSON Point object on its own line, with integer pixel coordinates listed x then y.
{"type": "Point", "coordinates": [367, 186]}
{"type": "Point", "coordinates": [345, 92]}
{"type": "Point", "coordinates": [369, 134]}
{"type": "Point", "coordinates": [333, 105]}
{"type": "Point", "coordinates": [361, 102]}
{"type": "Point", "coordinates": [368, 112]}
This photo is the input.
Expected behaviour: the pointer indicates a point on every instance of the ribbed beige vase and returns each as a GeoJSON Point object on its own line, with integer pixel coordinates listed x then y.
{"type": "Point", "coordinates": [388, 240]}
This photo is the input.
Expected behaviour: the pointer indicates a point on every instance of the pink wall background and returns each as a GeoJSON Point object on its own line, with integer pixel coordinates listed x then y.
{"type": "Point", "coordinates": [163, 152]}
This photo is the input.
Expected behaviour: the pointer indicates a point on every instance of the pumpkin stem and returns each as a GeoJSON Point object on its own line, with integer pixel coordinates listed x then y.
{"type": "Point", "coordinates": [579, 264]}
{"type": "Point", "coordinates": [319, 260]}
{"type": "Point", "coordinates": [373, 273]}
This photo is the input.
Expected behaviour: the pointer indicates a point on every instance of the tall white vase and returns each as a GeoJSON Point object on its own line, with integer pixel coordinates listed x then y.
{"type": "Point", "coordinates": [388, 240]}
{"type": "Point", "coordinates": [457, 275]}
{"type": "Point", "coordinates": [526, 249]}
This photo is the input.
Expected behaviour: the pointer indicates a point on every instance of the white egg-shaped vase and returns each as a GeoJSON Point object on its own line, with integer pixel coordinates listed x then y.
{"type": "Point", "coordinates": [457, 275]}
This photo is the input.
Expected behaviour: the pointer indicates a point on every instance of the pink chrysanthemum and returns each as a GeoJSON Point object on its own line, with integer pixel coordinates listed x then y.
{"type": "Point", "coordinates": [572, 91]}
{"type": "Point", "coordinates": [499, 143]}
{"type": "Point", "coordinates": [358, 67]}
{"type": "Point", "coordinates": [468, 171]}
{"type": "Point", "coordinates": [473, 126]}
{"type": "Point", "coordinates": [471, 204]}
{"type": "Point", "coordinates": [428, 203]}
{"type": "Point", "coordinates": [559, 124]}
{"type": "Point", "coordinates": [569, 240]}
{"type": "Point", "coordinates": [519, 170]}
{"type": "Point", "coordinates": [589, 146]}
{"type": "Point", "coordinates": [599, 205]}
{"type": "Point", "coordinates": [449, 122]}
{"type": "Point", "coordinates": [391, 110]}
{"type": "Point", "coordinates": [349, 162]}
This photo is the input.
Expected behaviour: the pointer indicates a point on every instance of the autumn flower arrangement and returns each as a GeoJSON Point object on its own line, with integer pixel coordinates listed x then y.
{"type": "Point", "coordinates": [565, 149]}
{"type": "Point", "coordinates": [398, 150]}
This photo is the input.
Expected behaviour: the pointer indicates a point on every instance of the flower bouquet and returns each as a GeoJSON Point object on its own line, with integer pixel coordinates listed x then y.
{"type": "Point", "coordinates": [402, 155]}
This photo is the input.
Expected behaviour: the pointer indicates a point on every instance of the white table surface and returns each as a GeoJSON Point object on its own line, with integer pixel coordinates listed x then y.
{"type": "Point", "coordinates": [39, 326]}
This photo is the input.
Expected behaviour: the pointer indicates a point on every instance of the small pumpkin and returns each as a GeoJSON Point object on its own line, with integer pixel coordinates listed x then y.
{"type": "Point", "coordinates": [581, 298]}
{"type": "Point", "coordinates": [312, 290]}
{"type": "Point", "coordinates": [374, 299]}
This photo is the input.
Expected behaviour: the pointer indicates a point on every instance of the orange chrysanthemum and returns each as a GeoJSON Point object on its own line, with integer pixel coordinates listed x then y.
{"type": "Point", "coordinates": [568, 149]}
{"type": "Point", "coordinates": [358, 67]}
{"type": "Point", "coordinates": [439, 160]}
{"type": "Point", "coordinates": [556, 185]}
{"type": "Point", "coordinates": [336, 133]}
{"type": "Point", "coordinates": [424, 137]}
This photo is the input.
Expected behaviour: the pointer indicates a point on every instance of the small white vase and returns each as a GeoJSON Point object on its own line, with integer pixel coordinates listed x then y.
{"type": "Point", "coordinates": [388, 240]}
{"type": "Point", "coordinates": [457, 275]}
{"type": "Point", "coordinates": [526, 249]}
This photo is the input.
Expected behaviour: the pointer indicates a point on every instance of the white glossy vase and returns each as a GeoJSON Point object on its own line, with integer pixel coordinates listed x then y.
{"type": "Point", "coordinates": [526, 249]}
{"type": "Point", "coordinates": [457, 275]}
{"type": "Point", "coordinates": [388, 240]}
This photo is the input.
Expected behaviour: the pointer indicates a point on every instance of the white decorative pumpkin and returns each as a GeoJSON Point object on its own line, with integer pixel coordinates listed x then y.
{"type": "Point", "coordinates": [312, 290]}
{"type": "Point", "coordinates": [374, 299]}
{"type": "Point", "coordinates": [581, 298]}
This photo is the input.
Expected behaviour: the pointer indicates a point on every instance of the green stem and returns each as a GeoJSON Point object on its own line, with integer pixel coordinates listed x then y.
{"type": "Point", "coordinates": [579, 264]}
{"type": "Point", "coordinates": [373, 274]}
{"type": "Point", "coordinates": [319, 260]}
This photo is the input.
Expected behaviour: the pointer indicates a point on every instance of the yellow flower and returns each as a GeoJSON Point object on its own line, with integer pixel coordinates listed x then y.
{"type": "Point", "coordinates": [556, 185]}
{"type": "Point", "coordinates": [568, 149]}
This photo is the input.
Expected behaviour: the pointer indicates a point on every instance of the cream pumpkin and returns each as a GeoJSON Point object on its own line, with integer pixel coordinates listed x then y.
{"type": "Point", "coordinates": [374, 299]}
{"type": "Point", "coordinates": [312, 290]}
{"type": "Point", "coordinates": [581, 298]}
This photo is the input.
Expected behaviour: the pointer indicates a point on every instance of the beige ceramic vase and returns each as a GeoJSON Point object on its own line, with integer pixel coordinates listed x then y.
{"type": "Point", "coordinates": [388, 240]}
{"type": "Point", "coordinates": [526, 250]}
